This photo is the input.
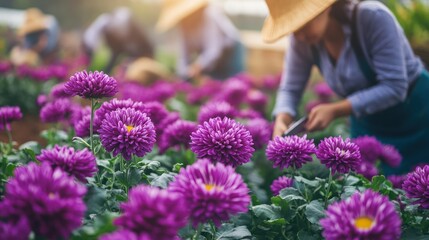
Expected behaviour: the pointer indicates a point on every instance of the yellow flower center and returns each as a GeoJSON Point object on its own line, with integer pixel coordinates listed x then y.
{"type": "Point", "coordinates": [129, 128]}
{"type": "Point", "coordinates": [210, 187]}
{"type": "Point", "coordinates": [364, 223]}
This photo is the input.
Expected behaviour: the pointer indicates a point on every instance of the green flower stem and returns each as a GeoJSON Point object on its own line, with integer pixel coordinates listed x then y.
{"type": "Point", "coordinates": [91, 127]}
{"type": "Point", "coordinates": [9, 135]}
{"type": "Point", "coordinates": [198, 232]}
{"type": "Point", "coordinates": [328, 189]}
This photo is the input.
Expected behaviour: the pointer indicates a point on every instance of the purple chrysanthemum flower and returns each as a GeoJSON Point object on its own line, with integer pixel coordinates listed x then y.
{"type": "Point", "coordinates": [280, 183]}
{"type": "Point", "coordinates": [257, 100]}
{"type": "Point", "coordinates": [127, 131]}
{"type": "Point", "coordinates": [79, 164]}
{"type": "Point", "coordinates": [58, 91]}
{"type": "Point", "coordinates": [204, 92]}
{"type": "Point", "coordinates": [370, 148]}
{"type": "Point", "coordinates": [177, 134]}
{"type": "Point", "coordinates": [167, 121]}
{"type": "Point", "coordinates": [367, 215]}
{"type": "Point", "coordinates": [125, 235]}
{"type": "Point", "coordinates": [50, 200]}
{"type": "Point", "coordinates": [113, 105]}
{"type": "Point", "coordinates": [417, 186]}
{"type": "Point", "coordinates": [272, 82]}
{"type": "Point", "coordinates": [41, 100]}
{"type": "Point", "coordinates": [339, 155]}
{"type": "Point", "coordinates": [91, 85]}
{"type": "Point", "coordinates": [391, 156]}
{"type": "Point", "coordinates": [41, 74]}
{"type": "Point", "coordinates": [233, 91]}
{"type": "Point", "coordinates": [5, 66]}
{"type": "Point", "coordinates": [56, 111]}
{"type": "Point", "coordinates": [216, 109]}
{"type": "Point", "coordinates": [15, 229]}
{"type": "Point", "coordinates": [397, 180]}
{"type": "Point", "coordinates": [9, 114]}
{"type": "Point", "coordinates": [159, 92]}
{"type": "Point", "coordinates": [155, 212]}
{"type": "Point", "coordinates": [156, 112]}
{"type": "Point", "coordinates": [324, 92]}
{"type": "Point", "coordinates": [249, 114]}
{"type": "Point", "coordinates": [260, 130]}
{"type": "Point", "coordinates": [223, 140]}
{"type": "Point", "coordinates": [212, 191]}
{"type": "Point", "coordinates": [290, 151]}
{"type": "Point", "coordinates": [367, 169]}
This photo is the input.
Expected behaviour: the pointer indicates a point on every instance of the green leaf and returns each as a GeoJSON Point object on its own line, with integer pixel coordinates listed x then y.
{"type": "Point", "coordinates": [348, 191]}
{"type": "Point", "coordinates": [134, 176]}
{"type": "Point", "coordinates": [240, 232]}
{"type": "Point", "coordinates": [304, 235]}
{"type": "Point", "coordinates": [33, 145]}
{"type": "Point", "coordinates": [311, 183]}
{"type": "Point", "coordinates": [377, 182]}
{"type": "Point", "coordinates": [177, 167]}
{"type": "Point", "coordinates": [95, 199]}
{"type": "Point", "coordinates": [163, 180]}
{"type": "Point", "coordinates": [315, 211]}
{"type": "Point", "coordinates": [351, 181]}
{"type": "Point", "coordinates": [266, 212]}
{"type": "Point", "coordinates": [291, 194]}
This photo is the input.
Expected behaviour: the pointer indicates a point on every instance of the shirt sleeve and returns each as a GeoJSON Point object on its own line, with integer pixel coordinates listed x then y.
{"type": "Point", "coordinates": [296, 72]}
{"type": "Point", "coordinates": [382, 38]}
{"type": "Point", "coordinates": [93, 33]}
{"type": "Point", "coordinates": [183, 57]}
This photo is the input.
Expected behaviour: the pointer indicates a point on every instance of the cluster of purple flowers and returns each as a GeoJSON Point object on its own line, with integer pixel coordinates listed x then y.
{"type": "Point", "coordinates": [177, 134]}
{"type": "Point", "coordinates": [280, 183]}
{"type": "Point", "coordinates": [9, 114]}
{"type": "Point", "coordinates": [416, 186]}
{"type": "Point", "coordinates": [42, 199]}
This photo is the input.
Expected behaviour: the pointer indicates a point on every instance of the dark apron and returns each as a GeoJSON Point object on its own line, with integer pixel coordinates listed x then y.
{"type": "Point", "coordinates": [405, 126]}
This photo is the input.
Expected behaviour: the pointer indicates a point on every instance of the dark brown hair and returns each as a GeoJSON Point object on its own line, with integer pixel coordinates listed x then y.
{"type": "Point", "coordinates": [341, 10]}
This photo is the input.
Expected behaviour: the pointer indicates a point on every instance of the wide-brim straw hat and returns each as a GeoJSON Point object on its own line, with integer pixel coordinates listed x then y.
{"type": "Point", "coordinates": [174, 11]}
{"type": "Point", "coordinates": [146, 71]}
{"type": "Point", "coordinates": [287, 16]}
{"type": "Point", "coordinates": [34, 21]}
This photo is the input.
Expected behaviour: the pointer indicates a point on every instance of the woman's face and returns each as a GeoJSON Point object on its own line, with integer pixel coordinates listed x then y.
{"type": "Point", "coordinates": [313, 31]}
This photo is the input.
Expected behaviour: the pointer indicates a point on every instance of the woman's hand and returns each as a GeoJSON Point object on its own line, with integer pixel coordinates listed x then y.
{"type": "Point", "coordinates": [322, 115]}
{"type": "Point", "coordinates": [281, 124]}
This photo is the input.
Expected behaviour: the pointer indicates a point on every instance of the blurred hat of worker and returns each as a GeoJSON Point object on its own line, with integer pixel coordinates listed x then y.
{"type": "Point", "coordinates": [34, 21]}
{"type": "Point", "coordinates": [288, 16]}
{"type": "Point", "coordinates": [146, 71]}
{"type": "Point", "coordinates": [174, 11]}
{"type": "Point", "coordinates": [22, 56]}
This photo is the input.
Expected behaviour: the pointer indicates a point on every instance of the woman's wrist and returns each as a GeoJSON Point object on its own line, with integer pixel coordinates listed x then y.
{"type": "Point", "coordinates": [285, 118]}
{"type": "Point", "coordinates": [342, 108]}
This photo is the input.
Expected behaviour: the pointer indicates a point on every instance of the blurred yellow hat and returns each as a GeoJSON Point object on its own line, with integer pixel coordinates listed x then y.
{"type": "Point", "coordinates": [287, 16]}
{"type": "Point", "coordinates": [146, 71]}
{"type": "Point", "coordinates": [34, 21]}
{"type": "Point", "coordinates": [174, 11]}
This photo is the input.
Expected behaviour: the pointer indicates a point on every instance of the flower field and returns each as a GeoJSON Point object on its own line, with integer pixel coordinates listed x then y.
{"type": "Point", "coordinates": [177, 160]}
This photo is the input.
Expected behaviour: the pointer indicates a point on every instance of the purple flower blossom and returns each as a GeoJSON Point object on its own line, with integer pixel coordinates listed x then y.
{"type": "Point", "coordinates": [257, 100]}
{"type": "Point", "coordinates": [324, 92]}
{"type": "Point", "coordinates": [79, 164]}
{"type": "Point", "coordinates": [416, 186]}
{"type": "Point", "coordinates": [223, 140]}
{"type": "Point", "coordinates": [41, 74]}
{"type": "Point", "coordinates": [260, 130]}
{"type": "Point", "coordinates": [367, 215]}
{"type": "Point", "coordinates": [155, 212]}
{"type": "Point", "coordinates": [216, 109]}
{"type": "Point", "coordinates": [56, 111]}
{"type": "Point", "coordinates": [15, 229]}
{"type": "Point", "coordinates": [41, 100]}
{"type": "Point", "coordinates": [9, 114]}
{"type": "Point", "coordinates": [59, 91]}
{"type": "Point", "coordinates": [370, 148]}
{"type": "Point", "coordinates": [249, 114]}
{"type": "Point", "coordinates": [339, 155]}
{"type": "Point", "coordinates": [177, 134]}
{"type": "Point", "coordinates": [290, 151]}
{"type": "Point", "coordinates": [113, 105]}
{"type": "Point", "coordinates": [204, 92]}
{"type": "Point", "coordinates": [158, 92]}
{"type": "Point", "coordinates": [212, 192]}
{"type": "Point", "coordinates": [280, 183]}
{"type": "Point", "coordinates": [272, 82]}
{"type": "Point", "coordinates": [397, 180]}
{"type": "Point", "coordinates": [48, 198]}
{"type": "Point", "coordinates": [125, 235]}
{"type": "Point", "coordinates": [5, 67]}
{"type": "Point", "coordinates": [91, 85]}
{"type": "Point", "coordinates": [234, 91]}
{"type": "Point", "coordinates": [164, 123]}
{"type": "Point", "coordinates": [156, 112]}
{"type": "Point", "coordinates": [367, 169]}
{"type": "Point", "coordinates": [127, 131]}
{"type": "Point", "coordinates": [391, 156]}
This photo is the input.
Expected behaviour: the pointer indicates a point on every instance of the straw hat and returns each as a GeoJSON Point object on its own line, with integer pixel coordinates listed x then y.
{"type": "Point", "coordinates": [146, 71]}
{"type": "Point", "coordinates": [34, 21]}
{"type": "Point", "coordinates": [20, 56]}
{"type": "Point", "coordinates": [287, 16]}
{"type": "Point", "coordinates": [174, 11]}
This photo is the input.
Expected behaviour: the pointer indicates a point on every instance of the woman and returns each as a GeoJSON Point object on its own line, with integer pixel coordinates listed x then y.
{"type": "Point", "coordinates": [365, 58]}
{"type": "Point", "coordinates": [40, 34]}
{"type": "Point", "coordinates": [209, 42]}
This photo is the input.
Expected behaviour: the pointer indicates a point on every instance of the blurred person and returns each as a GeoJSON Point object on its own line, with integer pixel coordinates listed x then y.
{"type": "Point", "coordinates": [40, 36]}
{"type": "Point", "coordinates": [209, 42]}
{"type": "Point", "coordinates": [363, 54]}
{"type": "Point", "coordinates": [146, 71]}
{"type": "Point", "coordinates": [122, 35]}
